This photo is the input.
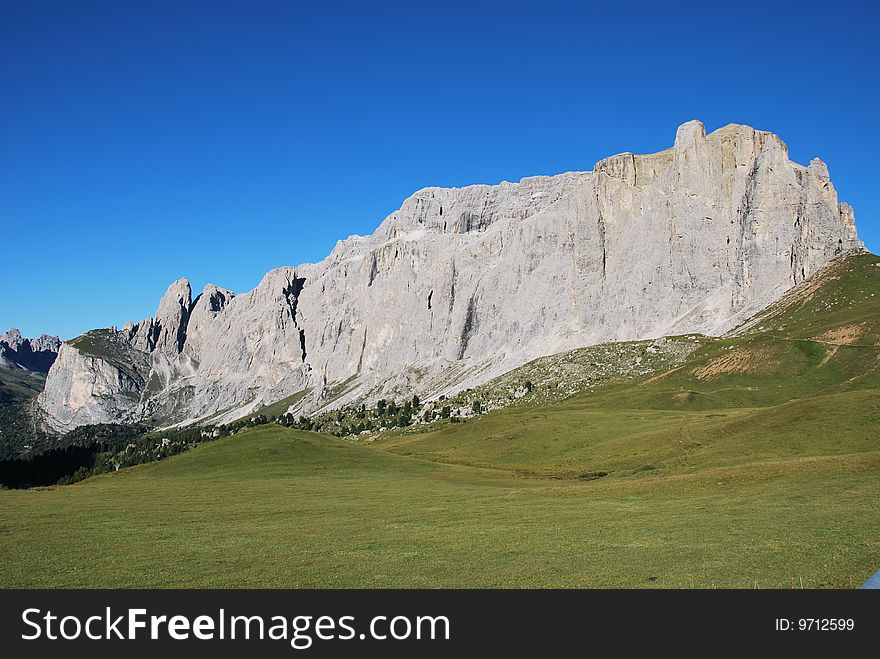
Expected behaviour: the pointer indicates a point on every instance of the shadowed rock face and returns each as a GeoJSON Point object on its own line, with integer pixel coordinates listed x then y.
{"type": "Point", "coordinates": [30, 354]}
{"type": "Point", "coordinates": [460, 285]}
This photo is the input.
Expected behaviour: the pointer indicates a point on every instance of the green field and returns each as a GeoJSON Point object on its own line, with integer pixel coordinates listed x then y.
{"type": "Point", "coordinates": [753, 465]}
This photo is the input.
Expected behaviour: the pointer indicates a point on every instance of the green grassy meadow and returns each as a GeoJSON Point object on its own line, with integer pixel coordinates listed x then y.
{"type": "Point", "coordinates": [753, 465]}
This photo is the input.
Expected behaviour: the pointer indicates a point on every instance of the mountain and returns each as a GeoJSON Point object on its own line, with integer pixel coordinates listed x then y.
{"type": "Point", "coordinates": [30, 354]}
{"type": "Point", "coordinates": [23, 366]}
{"type": "Point", "coordinates": [461, 285]}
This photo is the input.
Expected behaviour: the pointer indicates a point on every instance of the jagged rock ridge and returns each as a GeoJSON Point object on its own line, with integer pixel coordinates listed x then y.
{"type": "Point", "coordinates": [460, 285]}
{"type": "Point", "coordinates": [37, 355]}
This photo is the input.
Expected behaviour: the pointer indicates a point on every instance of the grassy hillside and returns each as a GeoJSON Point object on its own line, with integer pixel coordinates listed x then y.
{"type": "Point", "coordinates": [19, 384]}
{"type": "Point", "coordinates": [754, 463]}
{"type": "Point", "coordinates": [275, 507]}
{"type": "Point", "coordinates": [18, 431]}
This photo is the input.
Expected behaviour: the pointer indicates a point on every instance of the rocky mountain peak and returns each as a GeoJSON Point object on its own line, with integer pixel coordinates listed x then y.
{"type": "Point", "coordinates": [688, 134]}
{"type": "Point", "coordinates": [213, 298]}
{"type": "Point", "coordinates": [176, 300]}
{"type": "Point", "coordinates": [212, 301]}
{"type": "Point", "coordinates": [172, 316]}
{"type": "Point", "coordinates": [819, 168]}
{"type": "Point", "coordinates": [31, 354]}
{"type": "Point", "coordinates": [12, 337]}
{"type": "Point", "coordinates": [460, 285]}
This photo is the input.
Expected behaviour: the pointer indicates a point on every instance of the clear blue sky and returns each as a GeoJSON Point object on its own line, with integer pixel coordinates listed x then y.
{"type": "Point", "coordinates": [145, 141]}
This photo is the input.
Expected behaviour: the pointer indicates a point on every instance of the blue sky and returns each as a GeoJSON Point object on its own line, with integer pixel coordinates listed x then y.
{"type": "Point", "coordinates": [145, 141]}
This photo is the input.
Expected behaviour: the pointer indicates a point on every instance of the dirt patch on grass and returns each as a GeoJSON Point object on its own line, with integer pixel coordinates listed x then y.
{"type": "Point", "coordinates": [829, 355]}
{"type": "Point", "coordinates": [844, 336]}
{"type": "Point", "coordinates": [738, 360]}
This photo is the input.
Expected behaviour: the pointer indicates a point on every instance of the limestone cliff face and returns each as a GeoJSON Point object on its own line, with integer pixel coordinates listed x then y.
{"type": "Point", "coordinates": [90, 388]}
{"type": "Point", "coordinates": [463, 284]}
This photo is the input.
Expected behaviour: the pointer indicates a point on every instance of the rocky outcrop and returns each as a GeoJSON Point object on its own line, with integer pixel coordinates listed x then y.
{"type": "Point", "coordinates": [31, 354]}
{"type": "Point", "coordinates": [91, 385]}
{"type": "Point", "coordinates": [167, 331]}
{"type": "Point", "coordinates": [460, 285]}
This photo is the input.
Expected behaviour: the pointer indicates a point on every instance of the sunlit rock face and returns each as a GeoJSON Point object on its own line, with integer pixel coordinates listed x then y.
{"type": "Point", "coordinates": [460, 285]}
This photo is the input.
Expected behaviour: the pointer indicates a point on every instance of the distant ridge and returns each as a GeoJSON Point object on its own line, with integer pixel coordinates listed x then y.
{"type": "Point", "coordinates": [30, 354]}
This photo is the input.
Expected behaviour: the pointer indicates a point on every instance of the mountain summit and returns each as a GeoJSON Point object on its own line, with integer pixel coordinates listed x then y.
{"type": "Point", "coordinates": [462, 284]}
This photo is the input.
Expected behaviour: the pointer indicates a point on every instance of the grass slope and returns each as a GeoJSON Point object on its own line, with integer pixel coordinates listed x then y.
{"type": "Point", "coordinates": [753, 464]}
{"type": "Point", "coordinates": [19, 384]}
{"type": "Point", "coordinates": [276, 507]}
{"type": "Point", "coordinates": [18, 388]}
